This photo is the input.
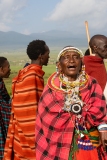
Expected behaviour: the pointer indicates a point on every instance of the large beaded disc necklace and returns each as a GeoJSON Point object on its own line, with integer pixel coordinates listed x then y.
{"type": "Point", "coordinates": [72, 101]}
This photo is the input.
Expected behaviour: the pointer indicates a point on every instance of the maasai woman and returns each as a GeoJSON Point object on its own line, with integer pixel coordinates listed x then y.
{"type": "Point", "coordinates": [71, 108]}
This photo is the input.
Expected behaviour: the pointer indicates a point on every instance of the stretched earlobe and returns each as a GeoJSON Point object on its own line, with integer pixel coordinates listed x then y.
{"type": "Point", "coordinates": [1, 69]}
{"type": "Point", "coordinates": [95, 48]}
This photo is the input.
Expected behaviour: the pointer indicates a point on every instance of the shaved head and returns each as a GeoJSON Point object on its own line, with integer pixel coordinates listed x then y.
{"type": "Point", "coordinates": [96, 39]}
{"type": "Point", "coordinates": [98, 45]}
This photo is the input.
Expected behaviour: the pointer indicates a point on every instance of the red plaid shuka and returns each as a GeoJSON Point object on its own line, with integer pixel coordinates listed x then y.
{"type": "Point", "coordinates": [55, 128]}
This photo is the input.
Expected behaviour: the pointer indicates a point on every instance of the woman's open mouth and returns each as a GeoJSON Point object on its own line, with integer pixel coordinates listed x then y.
{"type": "Point", "coordinates": [71, 67]}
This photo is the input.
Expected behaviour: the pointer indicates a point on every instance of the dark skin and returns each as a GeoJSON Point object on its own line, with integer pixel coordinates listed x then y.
{"type": "Point", "coordinates": [5, 70]}
{"type": "Point", "coordinates": [98, 45]}
{"type": "Point", "coordinates": [42, 59]}
{"type": "Point", "coordinates": [45, 57]}
{"type": "Point", "coordinates": [70, 65]}
{"type": "Point", "coordinates": [103, 136]}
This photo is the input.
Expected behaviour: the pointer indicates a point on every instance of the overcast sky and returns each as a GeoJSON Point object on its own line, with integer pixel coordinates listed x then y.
{"type": "Point", "coordinates": [31, 16]}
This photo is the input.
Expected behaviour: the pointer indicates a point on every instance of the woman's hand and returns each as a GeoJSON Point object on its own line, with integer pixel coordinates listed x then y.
{"type": "Point", "coordinates": [103, 135]}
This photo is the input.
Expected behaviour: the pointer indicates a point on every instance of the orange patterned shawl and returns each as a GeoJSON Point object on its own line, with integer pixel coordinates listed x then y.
{"type": "Point", "coordinates": [27, 88]}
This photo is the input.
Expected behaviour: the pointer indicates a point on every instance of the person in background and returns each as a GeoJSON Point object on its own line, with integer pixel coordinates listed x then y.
{"type": "Point", "coordinates": [26, 64]}
{"type": "Point", "coordinates": [27, 88]}
{"type": "Point", "coordinates": [87, 52]}
{"type": "Point", "coordinates": [5, 103]}
{"type": "Point", "coordinates": [95, 67]}
{"type": "Point", "coordinates": [70, 109]}
{"type": "Point", "coordinates": [94, 64]}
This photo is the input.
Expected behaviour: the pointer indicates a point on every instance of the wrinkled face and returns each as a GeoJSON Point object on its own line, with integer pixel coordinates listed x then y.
{"type": "Point", "coordinates": [45, 57]}
{"type": "Point", "coordinates": [101, 49]}
{"type": "Point", "coordinates": [70, 64]}
{"type": "Point", "coordinates": [5, 70]}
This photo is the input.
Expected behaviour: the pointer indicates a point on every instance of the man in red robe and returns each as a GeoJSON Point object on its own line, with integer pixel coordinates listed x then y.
{"type": "Point", "coordinates": [95, 67]}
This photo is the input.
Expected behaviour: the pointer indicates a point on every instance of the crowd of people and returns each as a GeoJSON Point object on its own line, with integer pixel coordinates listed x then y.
{"type": "Point", "coordinates": [64, 120]}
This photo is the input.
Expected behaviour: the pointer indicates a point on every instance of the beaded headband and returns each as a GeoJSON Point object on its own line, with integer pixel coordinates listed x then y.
{"type": "Point", "coordinates": [70, 49]}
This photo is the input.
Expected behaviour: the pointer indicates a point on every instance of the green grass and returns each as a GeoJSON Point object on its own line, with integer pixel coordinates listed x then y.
{"type": "Point", "coordinates": [48, 71]}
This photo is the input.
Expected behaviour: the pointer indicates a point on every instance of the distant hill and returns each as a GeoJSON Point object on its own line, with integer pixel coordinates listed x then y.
{"type": "Point", "coordinates": [54, 39]}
